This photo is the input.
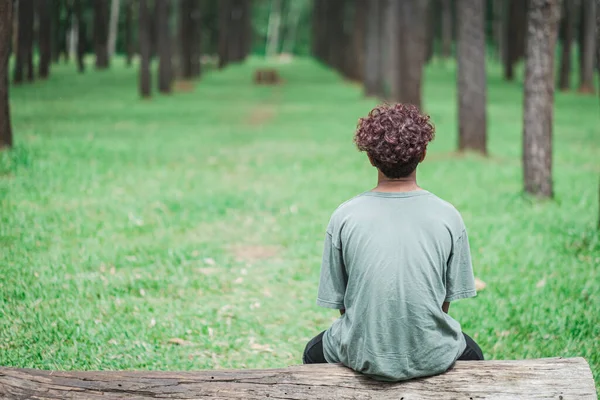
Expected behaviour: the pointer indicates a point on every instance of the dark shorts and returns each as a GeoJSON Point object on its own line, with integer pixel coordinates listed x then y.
{"type": "Point", "coordinates": [313, 353]}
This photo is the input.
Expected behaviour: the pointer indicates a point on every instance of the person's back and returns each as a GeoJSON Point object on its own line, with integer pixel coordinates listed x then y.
{"type": "Point", "coordinates": [394, 258]}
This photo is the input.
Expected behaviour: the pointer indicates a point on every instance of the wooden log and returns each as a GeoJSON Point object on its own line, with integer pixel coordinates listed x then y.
{"type": "Point", "coordinates": [550, 378]}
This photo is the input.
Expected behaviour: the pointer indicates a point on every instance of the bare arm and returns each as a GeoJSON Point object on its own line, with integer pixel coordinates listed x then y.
{"type": "Point", "coordinates": [445, 307]}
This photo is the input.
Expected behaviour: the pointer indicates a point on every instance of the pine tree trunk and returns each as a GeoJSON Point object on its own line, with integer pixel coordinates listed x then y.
{"type": "Point", "coordinates": [588, 50]}
{"type": "Point", "coordinates": [129, 31]}
{"type": "Point", "coordinates": [411, 51]}
{"type": "Point", "coordinates": [471, 75]}
{"type": "Point", "coordinates": [144, 23]}
{"type": "Point", "coordinates": [56, 30]}
{"type": "Point", "coordinates": [197, 39]}
{"type": "Point", "coordinates": [542, 29]}
{"type": "Point", "coordinates": [81, 36]}
{"type": "Point", "coordinates": [100, 33]}
{"type": "Point", "coordinates": [224, 23]}
{"type": "Point", "coordinates": [6, 12]}
{"type": "Point", "coordinates": [567, 26]}
{"type": "Point", "coordinates": [359, 35]}
{"type": "Point", "coordinates": [498, 28]}
{"type": "Point", "coordinates": [186, 37]}
{"type": "Point", "coordinates": [24, 56]}
{"type": "Point", "coordinates": [113, 26]}
{"type": "Point", "coordinates": [515, 36]}
{"type": "Point", "coordinates": [446, 28]}
{"type": "Point", "coordinates": [373, 51]}
{"type": "Point", "coordinates": [44, 37]}
{"type": "Point", "coordinates": [429, 31]}
{"type": "Point", "coordinates": [165, 69]}
{"type": "Point", "coordinates": [236, 31]}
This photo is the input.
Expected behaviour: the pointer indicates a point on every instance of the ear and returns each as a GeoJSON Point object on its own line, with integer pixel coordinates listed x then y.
{"type": "Point", "coordinates": [423, 156]}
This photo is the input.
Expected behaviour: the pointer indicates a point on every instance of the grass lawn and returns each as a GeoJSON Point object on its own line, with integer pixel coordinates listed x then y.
{"type": "Point", "coordinates": [200, 216]}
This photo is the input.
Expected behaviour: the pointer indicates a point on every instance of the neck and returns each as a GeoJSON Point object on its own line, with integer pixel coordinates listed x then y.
{"type": "Point", "coordinates": [405, 184]}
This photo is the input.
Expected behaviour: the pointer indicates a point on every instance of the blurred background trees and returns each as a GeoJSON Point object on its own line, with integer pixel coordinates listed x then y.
{"type": "Point", "coordinates": [381, 44]}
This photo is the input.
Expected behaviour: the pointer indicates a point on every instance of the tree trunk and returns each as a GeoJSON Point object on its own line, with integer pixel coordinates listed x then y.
{"type": "Point", "coordinates": [515, 36]}
{"type": "Point", "coordinates": [237, 30]}
{"type": "Point", "coordinates": [567, 25]}
{"type": "Point", "coordinates": [113, 26]}
{"type": "Point", "coordinates": [359, 35]}
{"type": "Point", "coordinates": [68, 30]}
{"type": "Point", "coordinates": [197, 42]}
{"type": "Point", "coordinates": [293, 18]}
{"type": "Point", "coordinates": [24, 53]}
{"type": "Point", "coordinates": [588, 49]}
{"type": "Point", "coordinates": [410, 57]}
{"type": "Point", "coordinates": [145, 48]}
{"type": "Point", "coordinates": [247, 31]}
{"type": "Point", "coordinates": [186, 37]}
{"type": "Point", "coordinates": [100, 33]}
{"type": "Point", "coordinates": [6, 26]}
{"type": "Point", "coordinates": [129, 31]}
{"type": "Point", "coordinates": [542, 28]}
{"type": "Point", "coordinates": [56, 30]}
{"type": "Point", "coordinates": [429, 27]}
{"type": "Point", "coordinates": [44, 37]}
{"type": "Point", "coordinates": [498, 29]}
{"type": "Point", "coordinates": [373, 51]}
{"type": "Point", "coordinates": [81, 36]}
{"type": "Point", "coordinates": [165, 69]}
{"type": "Point", "coordinates": [446, 28]}
{"type": "Point", "coordinates": [224, 18]}
{"type": "Point", "coordinates": [273, 29]}
{"type": "Point", "coordinates": [471, 76]}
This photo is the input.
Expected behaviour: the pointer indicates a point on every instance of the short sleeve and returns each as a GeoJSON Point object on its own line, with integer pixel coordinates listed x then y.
{"type": "Point", "coordinates": [460, 283]}
{"type": "Point", "coordinates": [332, 286]}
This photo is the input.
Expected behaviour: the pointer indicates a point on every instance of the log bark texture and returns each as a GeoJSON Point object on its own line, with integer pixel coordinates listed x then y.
{"type": "Point", "coordinates": [542, 30]}
{"type": "Point", "coordinates": [550, 378]}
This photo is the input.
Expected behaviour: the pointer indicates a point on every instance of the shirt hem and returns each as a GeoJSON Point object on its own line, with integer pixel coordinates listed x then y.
{"type": "Point", "coordinates": [330, 304]}
{"type": "Point", "coordinates": [461, 295]}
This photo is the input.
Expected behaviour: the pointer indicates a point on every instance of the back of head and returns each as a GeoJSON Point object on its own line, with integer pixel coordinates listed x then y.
{"type": "Point", "coordinates": [395, 138]}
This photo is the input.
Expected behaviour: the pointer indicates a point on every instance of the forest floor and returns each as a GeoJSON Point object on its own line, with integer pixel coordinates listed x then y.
{"type": "Point", "coordinates": [185, 232]}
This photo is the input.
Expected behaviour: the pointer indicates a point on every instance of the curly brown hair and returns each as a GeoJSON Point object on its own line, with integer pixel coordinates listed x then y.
{"type": "Point", "coordinates": [395, 138]}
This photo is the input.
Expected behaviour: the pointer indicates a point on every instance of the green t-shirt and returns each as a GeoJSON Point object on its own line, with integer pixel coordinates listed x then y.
{"type": "Point", "coordinates": [391, 260]}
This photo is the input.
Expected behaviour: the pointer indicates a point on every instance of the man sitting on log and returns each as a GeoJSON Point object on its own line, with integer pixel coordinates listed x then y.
{"type": "Point", "coordinates": [394, 259]}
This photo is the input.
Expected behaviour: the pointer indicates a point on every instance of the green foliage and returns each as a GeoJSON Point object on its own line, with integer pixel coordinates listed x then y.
{"type": "Point", "coordinates": [200, 216]}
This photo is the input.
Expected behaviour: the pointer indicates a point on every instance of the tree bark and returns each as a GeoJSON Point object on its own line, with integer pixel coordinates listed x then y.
{"type": "Point", "coordinates": [495, 379]}
{"type": "Point", "coordinates": [358, 39]}
{"type": "Point", "coordinates": [471, 75]}
{"type": "Point", "coordinates": [410, 56]}
{"type": "Point", "coordinates": [588, 50]}
{"type": "Point", "coordinates": [515, 36]}
{"type": "Point", "coordinates": [101, 34]}
{"type": "Point", "coordinates": [274, 27]}
{"type": "Point", "coordinates": [446, 28]}
{"type": "Point", "coordinates": [186, 37]}
{"type": "Point", "coordinates": [429, 27]}
{"type": "Point", "coordinates": [44, 37]}
{"type": "Point", "coordinates": [498, 29]}
{"type": "Point", "coordinates": [567, 26]}
{"type": "Point", "coordinates": [197, 42]}
{"type": "Point", "coordinates": [129, 47]}
{"type": "Point", "coordinates": [224, 18]}
{"type": "Point", "coordinates": [165, 68]}
{"type": "Point", "coordinates": [24, 53]}
{"type": "Point", "coordinates": [81, 35]}
{"type": "Point", "coordinates": [6, 26]}
{"type": "Point", "coordinates": [56, 30]}
{"type": "Point", "coordinates": [144, 24]}
{"type": "Point", "coordinates": [373, 50]}
{"type": "Point", "coordinates": [113, 26]}
{"type": "Point", "coordinates": [542, 29]}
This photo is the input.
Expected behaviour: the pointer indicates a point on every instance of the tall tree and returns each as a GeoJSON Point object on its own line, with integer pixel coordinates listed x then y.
{"type": "Point", "coordinates": [186, 37]}
{"type": "Point", "coordinates": [446, 28]}
{"type": "Point", "coordinates": [359, 34]}
{"type": "Point", "coordinates": [24, 53]}
{"type": "Point", "coordinates": [471, 75]}
{"type": "Point", "coordinates": [566, 27]}
{"type": "Point", "coordinates": [224, 25]}
{"type": "Point", "coordinates": [101, 33]}
{"type": "Point", "coordinates": [163, 32]}
{"type": "Point", "coordinates": [274, 28]}
{"type": "Point", "coordinates": [373, 76]}
{"type": "Point", "coordinates": [515, 36]}
{"type": "Point", "coordinates": [113, 26]}
{"type": "Point", "coordinates": [5, 40]}
{"type": "Point", "coordinates": [498, 28]}
{"type": "Point", "coordinates": [81, 35]}
{"type": "Point", "coordinates": [542, 29]}
{"type": "Point", "coordinates": [198, 25]}
{"type": "Point", "coordinates": [44, 37]}
{"type": "Point", "coordinates": [144, 24]}
{"type": "Point", "coordinates": [588, 50]}
{"type": "Point", "coordinates": [129, 31]}
{"type": "Point", "coordinates": [410, 56]}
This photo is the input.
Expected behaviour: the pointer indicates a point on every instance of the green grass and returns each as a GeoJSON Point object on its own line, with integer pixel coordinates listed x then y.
{"type": "Point", "coordinates": [200, 216]}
